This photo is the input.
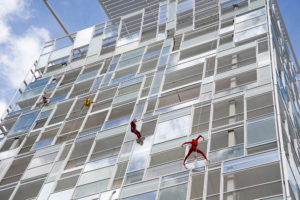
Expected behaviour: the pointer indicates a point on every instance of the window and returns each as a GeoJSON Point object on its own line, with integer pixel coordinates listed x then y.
{"type": "Point", "coordinates": [119, 175]}
{"type": "Point", "coordinates": [134, 177]}
{"type": "Point", "coordinates": [95, 175]}
{"type": "Point", "coordinates": [197, 186]}
{"type": "Point", "coordinates": [107, 147]}
{"type": "Point", "coordinates": [140, 154]}
{"type": "Point", "coordinates": [201, 119]}
{"type": "Point", "coordinates": [237, 60]}
{"type": "Point", "coordinates": [79, 154]}
{"type": "Point", "coordinates": [38, 83]}
{"type": "Point", "coordinates": [259, 105]}
{"type": "Point", "coordinates": [24, 122]}
{"type": "Point", "coordinates": [139, 188]}
{"type": "Point", "coordinates": [213, 179]}
{"type": "Point", "coordinates": [66, 183]}
{"type": "Point", "coordinates": [29, 190]}
{"type": "Point", "coordinates": [174, 179]}
{"type": "Point", "coordinates": [210, 66]}
{"type": "Point", "coordinates": [145, 196]}
{"type": "Point", "coordinates": [179, 95]}
{"type": "Point", "coordinates": [173, 193]}
{"type": "Point", "coordinates": [184, 13]}
{"type": "Point", "coordinates": [61, 112]}
{"type": "Point", "coordinates": [101, 163]}
{"type": "Point", "coordinates": [179, 126]}
{"type": "Point", "coordinates": [221, 114]}
{"type": "Point", "coordinates": [198, 50]}
{"type": "Point", "coordinates": [182, 77]}
{"type": "Point", "coordinates": [261, 130]}
{"type": "Point", "coordinates": [254, 183]}
{"type": "Point", "coordinates": [95, 120]}
{"type": "Point", "coordinates": [167, 156]}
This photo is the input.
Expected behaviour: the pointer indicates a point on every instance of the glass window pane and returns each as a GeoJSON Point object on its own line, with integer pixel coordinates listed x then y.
{"type": "Point", "coordinates": [96, 175]}
{"type": "Point", "coordinates": [250, 33]}
{"type": "Point", "coordinates": [140, 155]}
{"type": "Point", "coordinates": [24, 122]}
{"type": "Point", "coordinates": [174, 179]}
{"type": "Point", "coordinates": [260, 130]}
{"type": "Point", "coordinates": [67, 194]}
{"type": "Point", "coordinates": [42, 160]}
{"type": "Point", "coordinates": [31, 93]}
{"type": "Point", "coordinates": [91, 188]}
{"type": "Point", "coordinates": [139, 188]}
{"type": "Point", "coordinates": [247, 24]}
{"type": "Point", "coordinates": [145, 196]}
{"type": "Point", "coordinates": [179, 127]}
{"type": "Point", "coordinates": [37, 83]}
{"type": "Point", "coordinates": [250, 161]}
{"type": "Point", "coordinates": [37, 171]}
{"type": "Point", "coordinates": [134, 177]}
{"type": "Point", "coordinates": [250, 15]}
{"type": "Point", "coordinates": [173, 193]}
{"type": "Point", "coordinates": [101, 163]}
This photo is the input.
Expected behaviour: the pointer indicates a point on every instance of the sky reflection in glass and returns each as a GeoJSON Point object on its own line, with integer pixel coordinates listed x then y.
{"type": "Point", "coordinates": [172, 129]}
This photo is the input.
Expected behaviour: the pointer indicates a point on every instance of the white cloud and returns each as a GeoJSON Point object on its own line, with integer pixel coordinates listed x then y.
{"type": "Point", "coordinates": [17, 51]}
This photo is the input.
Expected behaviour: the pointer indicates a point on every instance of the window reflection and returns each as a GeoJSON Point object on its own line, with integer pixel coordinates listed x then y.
{"type": "Point", "coordinates": [140, 155]}
{"type": "Point", "coordinates": [25, 122]}
{"type": "Point", "coordinates": [145, 196]}
{"type": "Point", "coordinates": [173, 193]}
{"type": "Point", "coordinates": [250, 33]}
{"type": "Point", "coordinates": [260, 130]}
{"type": "Point", "coordinates": [172, 129]}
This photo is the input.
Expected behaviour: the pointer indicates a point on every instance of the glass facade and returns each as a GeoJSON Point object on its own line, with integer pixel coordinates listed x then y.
{"type": "Point", "coordinates": [223, 69]}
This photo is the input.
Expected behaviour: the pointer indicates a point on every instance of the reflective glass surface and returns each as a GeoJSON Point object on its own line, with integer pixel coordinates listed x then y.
{"type": "Point", "coordinates": [86, 76]}
{"type": "Point", "coordinates": [152, 54]}
{"type": "Point", "coordinates": [145, 196]}
{"type": "Point", "coordinates": [172, 129]}
{"type": "Point", "coordinates": [140, 155]}
{"type": "Point", "coordinates": [250, 15]}
{"type": "Point", "coordinates": [24, 122]}
{"type": "Point", "coordinates": [91, 188]}
{"type": "Point", "coordinates": [250, 33]}
{"type": "Point", "coordinates": [58, 98]}
{"type": "Point", "coordinates": [139, 188]}
{"type": "Point", "coordinates": [122, 78]}
{"type": "Point", "coordinates": [45, 114]}
{"type": "Point", "coordinates": [185, 5]}
{"type": "Point", "coordinates": [173, 193]}
{"type": "Point", "coordinates": [97, 83]}
{"type": "Point", "coordinates": [250, 161]}
{"type": "Point", "coordinates": [134, 177]}
{"type": "Point", "coordinates": [174, 179]}
{"type": "Point", "coordinates": [126, 151]}
{"type": "Point", "coordinates": [261, 130]}
{"type": "Point", "coordinates": [42, 160]}
{"type": "Point", "coordinates": [116, 122]}
{"type": "Point", "coordinates": [131, 81]}
{"type": "Point", "coordinates": [100, 163]}
{"type": "Point", "coordinates": [66, 194]}
{"type": "Point", "coordinates": [225, 154]}
{"type": "Point", "coordinates": [38, 83]}
{"type": "Point", "coordinates": [157, 82]}
{"type": "Point", "coordinates": [50, 86]}
{"type": "Point", "coordinates": [42, 143]}
{"type": "Point", "coordinates": [31, 93]}
{"type": "Point", "coordinates": [162, 14]}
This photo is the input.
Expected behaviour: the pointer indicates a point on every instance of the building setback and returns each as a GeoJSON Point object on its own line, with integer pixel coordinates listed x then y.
{"type": "Point", "coordinates": [223, 69]}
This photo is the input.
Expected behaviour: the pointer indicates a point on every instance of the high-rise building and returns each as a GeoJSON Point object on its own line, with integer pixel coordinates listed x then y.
{"type": "Point", "coordinates": [223, 69]}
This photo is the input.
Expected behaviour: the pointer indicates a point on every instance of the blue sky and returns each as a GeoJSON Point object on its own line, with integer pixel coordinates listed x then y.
{"type": "Point", "coordinates": [26, 24]}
